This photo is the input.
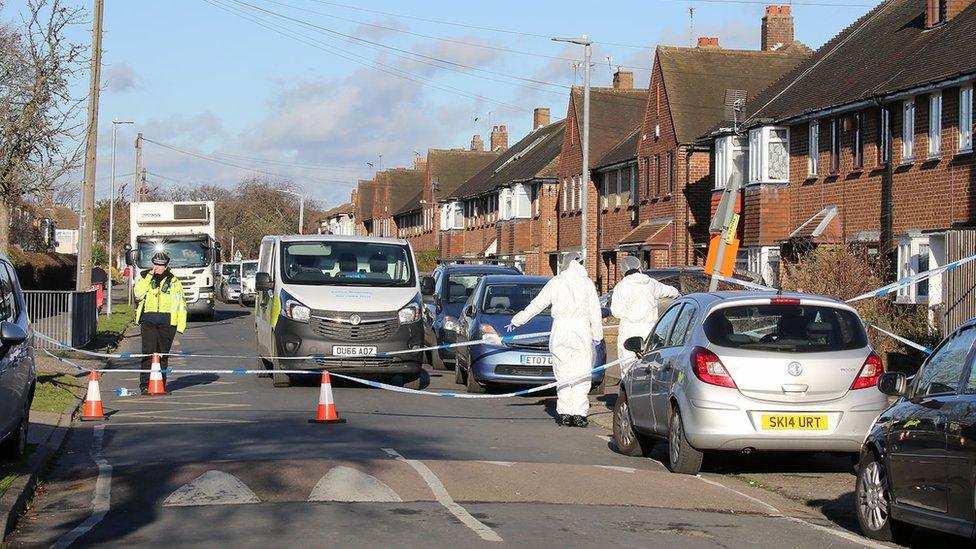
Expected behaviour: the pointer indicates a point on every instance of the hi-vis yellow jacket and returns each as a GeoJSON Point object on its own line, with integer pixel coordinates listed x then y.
{"type": "Point", "coordinates": [164, 298]}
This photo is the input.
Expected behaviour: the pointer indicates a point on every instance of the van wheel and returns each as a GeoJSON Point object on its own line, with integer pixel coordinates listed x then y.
{"type": "Point", "coordinates": [16, 443]}
{"type": "Point", "coordinates": [263, 364]}
{"type": "Point", "coordinates": [458, 375]}
{"type": "Point", "coordinates": [280, 380]}
{"type": "Point", "coordinates": [472, 384]}
{"type": "Point", "coordinates": [682, 456]}
{"type": "Point", "coordinates": [436, 362]}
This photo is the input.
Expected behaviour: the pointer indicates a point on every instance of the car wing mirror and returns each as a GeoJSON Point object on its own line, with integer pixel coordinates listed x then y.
{"type": "Point", "coordinates": [635, 345]}
{"type": "Point", "coordinates": [131, 256]}
{"type": "Point", "coordinates": [469, 311]}
{"type": "Point", "coordinates": [10, 335]}
{"type": "Point", "coordinates": [262, 282]}
{"type": "Point", "coordinates": [893, 384]}
{"type": "Point", "coordinates": [427, 286]}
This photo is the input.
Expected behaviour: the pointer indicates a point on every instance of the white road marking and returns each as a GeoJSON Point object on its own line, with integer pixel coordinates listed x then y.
{"type": "Point", "coordinates": [352, 485]}
{"type": "Point", "coordinates": [445, 499]}
{"type": "Point", "coordinates": [615, 468]}
{"type": "Point", "coordinates": [606, 438]}
{"type": "Point", "coordinates": [101, 499]}
{"type": "Point", "coordinates": [212, 488]}
{"type": "Point", "coordinates": [501, 463]}
{"type": "Point", "coordinates": [853, 538]}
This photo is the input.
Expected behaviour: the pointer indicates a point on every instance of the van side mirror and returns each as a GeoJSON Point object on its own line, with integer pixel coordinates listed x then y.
{"type": "Point", "coordinates": [131, 256]}
{"type": "Point", "coordinates": [427, 285]}
{"type": "Point", "coordinates": [469, 311]}
{"type": "Point", "coordinates": [635, 345]}
{"type": "Point", "coordinates": [263, 282]}
{"type": "Point", "coordinates": [893, 384]}
{"type": "Point", "coordinates": [10, 335]}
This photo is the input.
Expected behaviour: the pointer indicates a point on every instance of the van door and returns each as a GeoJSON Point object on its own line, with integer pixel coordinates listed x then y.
{"type": "Point", "coordinates": [264, 309]}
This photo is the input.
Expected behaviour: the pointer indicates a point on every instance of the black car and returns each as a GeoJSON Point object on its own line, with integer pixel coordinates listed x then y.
{"type": "Point", "coordinates": [918, 462]}
{"type": "Point", "coordinates": [17, 372]}
{"type": "Point", "coordinates": [445, 293]}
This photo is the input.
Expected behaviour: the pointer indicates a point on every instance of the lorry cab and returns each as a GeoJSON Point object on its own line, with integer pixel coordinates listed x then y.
{"type": "Point", "coordinates": [346, 298]}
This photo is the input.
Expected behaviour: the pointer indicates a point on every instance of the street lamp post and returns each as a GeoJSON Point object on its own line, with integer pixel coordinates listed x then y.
{"type": "Point", "coordinates": [301, 210]}
{"type": "Point", "coordinates": [585, 141]}
{"type": "Point", "coordinates": [111, 216]}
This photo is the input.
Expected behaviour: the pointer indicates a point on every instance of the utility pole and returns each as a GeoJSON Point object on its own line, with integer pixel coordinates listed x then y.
{"type": "Point", "coordinates": [585, 141]}
{"type": "Point", "coordinates": [137, 189]}
{"type": "Point", "coordinates": [86, 223]}
{"type": "Point", "coordinates": [111, 216]}
{"type": "Point", "coordinates": [301, 210]}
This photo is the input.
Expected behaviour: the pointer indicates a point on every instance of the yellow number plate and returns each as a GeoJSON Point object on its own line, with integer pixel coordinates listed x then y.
{"type": "Point", "coordinates": [793, 422]}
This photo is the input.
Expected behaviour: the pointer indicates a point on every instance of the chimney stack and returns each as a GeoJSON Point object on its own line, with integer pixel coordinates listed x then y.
{"type": "Point", "coordinates": [499, 138]}
{"type": "Point", "coordinates": [708, 42]}
{"type": "Point", "coordinates": [419, 162]}
{"type": "Point", "coordinates": [476, 143]}
{"type": "Point", "coordinates": [623, 80]}
{"type": "Point", "coordinates": [540, 117]}
{"type": "Point", "coordinates": [777, 28]}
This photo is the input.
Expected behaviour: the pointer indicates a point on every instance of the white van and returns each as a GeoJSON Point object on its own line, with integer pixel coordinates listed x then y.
{"type": "Point", "coordinates": [345, 297]}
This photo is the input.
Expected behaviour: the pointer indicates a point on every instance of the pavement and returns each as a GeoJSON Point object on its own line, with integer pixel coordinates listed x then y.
{"type": "Point", "coordinates": [232, 460]}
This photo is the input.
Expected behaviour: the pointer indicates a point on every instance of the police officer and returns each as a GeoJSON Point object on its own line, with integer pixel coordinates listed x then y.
{"type": "Point", "coordinates": [161, 313]}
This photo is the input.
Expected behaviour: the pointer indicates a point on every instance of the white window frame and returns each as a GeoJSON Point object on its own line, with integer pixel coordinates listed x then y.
{"type": "Point", "coordinates": [620, 187]}
{"type": "Point", "coordinates": [759, 140]}
{"type": "Point", "coordinates": [572, 194]}
{"type": "Point", "coordinates": [521, 201]}
{"type": "Point", "coordinates": [813, 152]}
{"type": "Point", "coordinates": [565, 194]}
{"type": "Point", "coordinates": [908, 131]}
{"type": "Point", "coordinates": [966, 118]}
{"type": "Point", "coordinates": [633, 185]}
{"type": "Point", "coordinates": [911, 250]}
{"type": "Point", "coordinates": [935, 124]}
{"type": "Point", "coordinates": [505, 210]}
{"type": "Point", "coordinates": [884, 150]}
{"type": "Point", "coordinates": [725, 149]}
{"type": "Point", "coordinates": [579, 193]}
{"type": "Point", "coordinates": [605, 199]}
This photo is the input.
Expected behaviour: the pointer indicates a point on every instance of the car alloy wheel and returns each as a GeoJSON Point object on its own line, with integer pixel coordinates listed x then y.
{"type": "Point", "coordinates": [625, 428]}
{"type": "Point", "coordinates": [872, 501]}
{"type": "Point", "coordinates": [674, 438]}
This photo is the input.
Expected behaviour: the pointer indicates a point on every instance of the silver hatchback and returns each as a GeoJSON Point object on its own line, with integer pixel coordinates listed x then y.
{"type": "Point", "coordinates": [744, 371]}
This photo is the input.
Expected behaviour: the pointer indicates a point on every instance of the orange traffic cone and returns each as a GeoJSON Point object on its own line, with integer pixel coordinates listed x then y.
{"type": "Point", "coordinates": [327, 410]}
{"type": "Point", "coordinates": [156, 384]}
{"type": "Point", "coordinates": [93, 402]}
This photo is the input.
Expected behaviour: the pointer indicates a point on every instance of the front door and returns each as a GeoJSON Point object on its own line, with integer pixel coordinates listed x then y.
{"type": "Point", "coordinates": [917, 443]}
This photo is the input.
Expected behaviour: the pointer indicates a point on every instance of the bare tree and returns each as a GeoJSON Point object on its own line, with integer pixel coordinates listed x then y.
{"type": "Point", "coordinates": [40, 121]}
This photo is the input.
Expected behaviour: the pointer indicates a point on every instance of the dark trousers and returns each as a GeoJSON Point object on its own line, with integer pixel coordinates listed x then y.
{"type": "Point", "coordinates": [156, 338]}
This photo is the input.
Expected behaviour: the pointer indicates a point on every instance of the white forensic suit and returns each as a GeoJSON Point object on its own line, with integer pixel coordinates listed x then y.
{"type": "Point", "coordinates": [634, 302]}
{"type": "Point", "coordinates": [576, 324]}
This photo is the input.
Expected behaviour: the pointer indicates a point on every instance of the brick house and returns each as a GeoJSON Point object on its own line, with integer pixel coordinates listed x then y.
{"type": "Point", "coordinates": [363, 213]}
{"type": "Point", "coordinates": [614, 114]}
{"type": "Point", "coordinates": [340, 220]}
{"type": "Point", "coordinates": [869, 141]}
{"type": "Point", "coordinates": [616, 181]}
{"type": "Point", "coordinates": [691, 91]}
{"type": "Point", "coordinates": [445, 171]}
{"type": "Point", "coordinates": [393, 189]}
{"type": "Point", "coordinates": [522, 183]}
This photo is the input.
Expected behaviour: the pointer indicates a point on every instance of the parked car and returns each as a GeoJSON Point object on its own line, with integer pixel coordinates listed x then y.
{"type": "Point", "coordinates": [247, 292]}
{"type": "Point", "coordinates": [224, 272]}
{"type": "Point", "coordinates": [445, 293]}
{"type": "Point", "coordinates": [490, 308]}
{"type": "Point", "coordinates": [687, 280]}
{"type": "Point", "coordinates": [918, 462]}
{"type": "Point", "coordinates": [18, 376]}
{"type": "Point", "coordinates": [746, 371]}
{"type": "Point", "coordinates": [231, 289]}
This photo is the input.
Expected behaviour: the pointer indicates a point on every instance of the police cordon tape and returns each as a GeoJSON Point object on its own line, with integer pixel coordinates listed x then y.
{"type": "Point", "coordinates": [381, 354]}
{"type": "Point", "coordinates": [914, 279]}
{"type": "Point", "coordinates": [368, 382]}
{"type": "Point", "coordinates": [896, 337]}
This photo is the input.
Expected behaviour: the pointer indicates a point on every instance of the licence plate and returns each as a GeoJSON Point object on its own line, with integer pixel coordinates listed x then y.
{"type": "Point", "coordinates": [794, 422]}
{"type": "Point", "coordinates": [350, 350]}
{"type": "Point", "coordinates": [536, 360]}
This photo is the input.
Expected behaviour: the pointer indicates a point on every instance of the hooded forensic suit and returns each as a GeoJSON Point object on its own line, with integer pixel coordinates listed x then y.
{"type": "Point", "coordinates": [634, 302]}
{"type": "Point", "coordinates": [576, 324]}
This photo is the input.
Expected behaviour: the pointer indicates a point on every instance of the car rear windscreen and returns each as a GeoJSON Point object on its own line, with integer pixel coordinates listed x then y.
{"type": "Point", "coordinates": [508, 299]}
{"type": "Point", "coordinates": [786, 328]}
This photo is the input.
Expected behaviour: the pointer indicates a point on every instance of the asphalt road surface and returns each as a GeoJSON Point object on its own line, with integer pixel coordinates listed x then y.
{"type": "Point", "coordinates": [233, 461]}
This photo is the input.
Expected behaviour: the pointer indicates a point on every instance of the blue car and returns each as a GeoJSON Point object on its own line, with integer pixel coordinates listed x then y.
{"type": "Point", "coordinates": [490, 308]}
{"type": "Point", "coordinates": [445, 292]}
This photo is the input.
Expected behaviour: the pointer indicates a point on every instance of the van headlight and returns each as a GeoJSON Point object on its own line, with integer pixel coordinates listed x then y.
{"type": "Point", "coordinates": [293, 309]}
{"type": "Point", "coordinates": [409, 314]}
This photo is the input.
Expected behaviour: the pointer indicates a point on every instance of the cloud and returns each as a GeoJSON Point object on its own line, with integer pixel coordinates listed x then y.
{"type": "Point", "coordinates": [120, 77]}
{"type": "Point", "coordinates": [378, 29]}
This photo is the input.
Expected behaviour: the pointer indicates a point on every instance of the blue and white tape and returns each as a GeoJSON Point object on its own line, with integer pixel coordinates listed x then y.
{"type": "Point", "coordinates": [897, 337]}
{"type": "Point", "coordinates": [914, 279]}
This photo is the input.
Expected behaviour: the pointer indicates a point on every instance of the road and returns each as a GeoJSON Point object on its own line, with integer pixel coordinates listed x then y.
{"type": "Point", "coordinates": [232, 460]}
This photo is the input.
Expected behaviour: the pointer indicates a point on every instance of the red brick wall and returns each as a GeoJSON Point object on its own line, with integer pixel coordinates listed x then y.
{"type": "Point", "coordinates": [569, 225]}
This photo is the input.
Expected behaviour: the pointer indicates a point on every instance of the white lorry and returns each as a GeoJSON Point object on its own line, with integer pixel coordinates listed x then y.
{"type": "Point", "coordinates": [185, 231]}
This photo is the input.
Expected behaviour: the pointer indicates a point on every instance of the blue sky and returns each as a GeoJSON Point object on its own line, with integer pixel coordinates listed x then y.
{"type": "Point", "coordinates": [269, 90]}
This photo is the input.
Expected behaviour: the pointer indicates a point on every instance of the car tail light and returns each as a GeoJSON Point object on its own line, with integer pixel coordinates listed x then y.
{"type": "Point", "coordinates": [870, 372]}
{"type": "Point", "coordinates": [784, 301]}
{"type": "Point", "coordinates": [709, 368]}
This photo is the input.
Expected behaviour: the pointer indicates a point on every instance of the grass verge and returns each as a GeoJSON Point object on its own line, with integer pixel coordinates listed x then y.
{"type": "Point", "coordinates": [10, 470]}
{"type": "Point", "coordinates": [111, 329]}
{"type": "Point", "coordinates": [54, 392]}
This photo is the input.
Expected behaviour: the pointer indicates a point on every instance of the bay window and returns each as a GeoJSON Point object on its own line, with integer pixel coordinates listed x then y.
{"type": "Point", "coordinates": [769, 159]}
{"type": "Point", "coordinates": [505, 204]}
{"type": "Point", "coordinates": [731, 155]}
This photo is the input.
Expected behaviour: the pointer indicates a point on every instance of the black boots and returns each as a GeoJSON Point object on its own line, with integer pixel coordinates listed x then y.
{"type": "Point", "coordinates": [572, 421]}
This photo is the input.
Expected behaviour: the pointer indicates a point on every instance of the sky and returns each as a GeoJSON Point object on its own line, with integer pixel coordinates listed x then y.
{"type": "Point", "coordinates": [315, 92]}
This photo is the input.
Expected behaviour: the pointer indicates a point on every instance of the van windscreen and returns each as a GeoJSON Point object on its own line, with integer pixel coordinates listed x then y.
{"type": "Point", "coordinates": [347, 264]}
{"type": "Point", "coordinates": [786, 328]}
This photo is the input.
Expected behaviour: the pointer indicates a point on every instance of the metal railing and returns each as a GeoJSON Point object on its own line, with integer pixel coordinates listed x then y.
{"type": "Point", "coordinates": [69, 317]}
